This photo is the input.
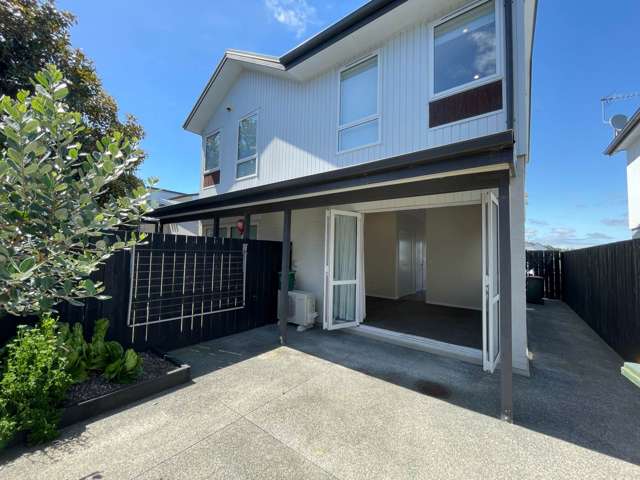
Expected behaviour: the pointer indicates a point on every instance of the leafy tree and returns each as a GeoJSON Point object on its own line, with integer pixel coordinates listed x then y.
{"type": "Point", "coordinates": [56, 225]}
{"type": "Point", "coordinates": [33, 34]}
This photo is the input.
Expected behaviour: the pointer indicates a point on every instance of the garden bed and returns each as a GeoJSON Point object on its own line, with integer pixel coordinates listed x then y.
{"type": "Point", "coordinates": [96, 395]}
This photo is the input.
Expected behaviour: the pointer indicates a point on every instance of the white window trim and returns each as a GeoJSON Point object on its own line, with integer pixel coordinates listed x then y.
{"type": "Point", "coordinates": [204, 159]}
{"type": "Point", "coordinates": [473, 83]}
{"type": "Point", "coordinates": [206, 137]}
{"type": "Point", "coordinates": [375, 116]}
{"type": "Point", "coordinates": [251, 157]}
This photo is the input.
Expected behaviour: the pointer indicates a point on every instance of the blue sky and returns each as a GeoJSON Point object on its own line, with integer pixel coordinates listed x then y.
{"type": "Point", "coordinates": [154, 57]}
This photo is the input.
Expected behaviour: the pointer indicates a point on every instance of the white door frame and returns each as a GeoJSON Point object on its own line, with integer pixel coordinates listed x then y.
{"type": "Point", "coordinates": [456, 351]}
{"type": "Point", "coordinates": [329, 282]}
{"type": "Point", "coordinates": [490, 295]}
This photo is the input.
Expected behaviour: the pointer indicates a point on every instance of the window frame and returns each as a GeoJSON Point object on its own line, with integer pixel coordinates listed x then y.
{"type": "Point", "coordinates": [226, 227]}
{"type": "Point", "coordinates": [367, 119]}
{"type": "Point", "coordinates": [206, 171]}
{"type": "Point", "coordinates": [498, 75]}
{"type": "Point", "coordinates": [255, 156]}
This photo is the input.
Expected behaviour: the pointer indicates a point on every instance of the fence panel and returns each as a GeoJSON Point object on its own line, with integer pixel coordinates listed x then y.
{"type": "Point", "coordinates": [602, 285]}
{"type": "Point", "coordinates": [547, 264]}
{"type": "Point", "coordinates": [248, 299]}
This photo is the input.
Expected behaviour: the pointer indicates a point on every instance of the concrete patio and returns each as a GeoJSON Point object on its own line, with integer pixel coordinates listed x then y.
{"type": "Point", "coordinates": [334, 405]}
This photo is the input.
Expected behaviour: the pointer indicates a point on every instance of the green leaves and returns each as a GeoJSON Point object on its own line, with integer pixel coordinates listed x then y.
{"type": "Point", "coordinates": [27, 264]}
{"type": "Point", "coordinates": [57, 222]}
{"type": "Point", "coordinates": [89, 287]}
{"type": "Point", "coordinates": [99, 356]}
{"type": "Point", "coordinates": [34, 383]}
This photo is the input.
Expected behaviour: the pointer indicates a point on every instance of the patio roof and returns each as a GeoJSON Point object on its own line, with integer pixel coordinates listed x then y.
{"type": "Point", "coordinates": [484, 154]}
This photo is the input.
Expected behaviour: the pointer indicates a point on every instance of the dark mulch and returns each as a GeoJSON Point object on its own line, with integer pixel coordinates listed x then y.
{"type": "Point", "coordinates": [153, 366]}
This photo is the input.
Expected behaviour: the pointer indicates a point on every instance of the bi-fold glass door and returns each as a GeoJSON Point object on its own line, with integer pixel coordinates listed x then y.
{"type": "Point", "coordinates": [491, 283]}
{"type": "Point", "coordinates": [343, 274]}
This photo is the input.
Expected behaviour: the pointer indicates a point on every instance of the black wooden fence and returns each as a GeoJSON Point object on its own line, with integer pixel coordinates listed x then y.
{"type": "Point", "coordinates": [602, 285]}
{"type": "Point", "coordinates": [205, 268]}
{"type": "Point", "coordinates": [548, 265]}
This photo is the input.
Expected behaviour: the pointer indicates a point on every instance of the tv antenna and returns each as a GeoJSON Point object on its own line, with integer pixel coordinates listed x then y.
{"type": "Point", "coordinates": [617, 121]}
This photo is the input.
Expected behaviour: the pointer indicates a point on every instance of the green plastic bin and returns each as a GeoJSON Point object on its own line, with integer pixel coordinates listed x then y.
{"type": "Point", "coordinates": [292, 280]}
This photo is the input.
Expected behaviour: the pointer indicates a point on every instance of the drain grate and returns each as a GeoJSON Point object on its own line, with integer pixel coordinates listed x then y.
{"type": "Point", "coordinates": [432, 389]}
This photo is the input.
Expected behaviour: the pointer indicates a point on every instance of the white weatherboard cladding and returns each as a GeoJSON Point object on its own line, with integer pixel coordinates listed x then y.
{"type": "Point", "coordinates": [633, 185]}
{"type": "Point", "coordinates": [297, 122]}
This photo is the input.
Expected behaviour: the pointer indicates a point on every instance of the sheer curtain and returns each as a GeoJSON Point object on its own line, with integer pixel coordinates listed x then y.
{"type": "Point", "coordinates": [344, 268]}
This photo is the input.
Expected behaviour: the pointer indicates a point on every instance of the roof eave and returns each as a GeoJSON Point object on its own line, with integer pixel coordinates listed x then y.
{"type": "Point", "coordinates": [231, 55]}
{"type": "Point", "coordinates": [343, 27]}
{"type": "Point", "coordinates": [628, 129]}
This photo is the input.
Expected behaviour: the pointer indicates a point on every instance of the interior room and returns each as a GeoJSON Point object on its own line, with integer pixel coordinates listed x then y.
{"type": "Point", "coordinates": [423, 273]}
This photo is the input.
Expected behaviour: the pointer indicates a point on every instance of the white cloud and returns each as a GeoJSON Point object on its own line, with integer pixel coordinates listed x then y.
{"type": "Point", "coordinates": [566, 237]}
{"type": "Point", "coordinates": [533, 221]}
{"type": "Point", "coordinates": [615, 222]}
{"type": "Point", "coordinates": [295, 14]}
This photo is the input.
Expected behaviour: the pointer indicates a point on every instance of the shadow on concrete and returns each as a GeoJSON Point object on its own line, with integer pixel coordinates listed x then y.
{"type": "Point", "coordinates": [575, 392]}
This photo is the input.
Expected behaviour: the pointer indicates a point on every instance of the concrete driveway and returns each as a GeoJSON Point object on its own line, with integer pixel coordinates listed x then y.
{"type": "Point", "coordinates": [334, 405]}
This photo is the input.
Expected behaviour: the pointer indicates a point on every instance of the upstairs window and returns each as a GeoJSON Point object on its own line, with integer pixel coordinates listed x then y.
{"type": "Point", "coordinates": [359, 117]}
{"type": "Point", "coordinates": [465, 49]}
{"type": "Point", "coordinates": [247, 151]}
{"type": "Point", "coordinates": [212, 153]}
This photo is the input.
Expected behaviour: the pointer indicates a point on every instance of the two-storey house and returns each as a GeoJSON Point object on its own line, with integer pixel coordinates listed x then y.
{"type": "Point", "coordinates": [628, 139]}
{"type": "Point", "coordinates": [389, 151]}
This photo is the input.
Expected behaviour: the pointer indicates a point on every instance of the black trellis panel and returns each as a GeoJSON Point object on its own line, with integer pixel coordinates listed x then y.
{"type": "Point", "coordinates": [263, 264]}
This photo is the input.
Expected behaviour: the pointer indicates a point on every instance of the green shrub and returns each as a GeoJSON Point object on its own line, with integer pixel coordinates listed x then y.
{"type": "Point", "coordinates": [57, 223]}
{"type": "Point", "coordinates": [74, 347]}
{"type": "Point", "coordinates": [125, 368]}
{"type": "Point", "coordinates": [102, 352]}
{"type": "Point", "coordinates": [34, 383]}
{"type": "Point", "coordinates": [99, 356]}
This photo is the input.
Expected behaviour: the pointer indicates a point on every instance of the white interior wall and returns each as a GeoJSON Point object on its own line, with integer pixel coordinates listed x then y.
{"type": "Point", "coordinates": [454, 256]}
{"type": "Point", "coordinates": [380, 237]}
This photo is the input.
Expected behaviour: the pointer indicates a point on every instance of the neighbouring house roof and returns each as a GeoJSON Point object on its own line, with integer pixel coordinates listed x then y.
{"type": "Point", "coordinates": [365, 27]}
{"type": "Point", "coordinates": [631, 131]}
{"type": "Point", "coordinates": [169, 197]}
{"type": "Point", "coordinates": [158, 189]}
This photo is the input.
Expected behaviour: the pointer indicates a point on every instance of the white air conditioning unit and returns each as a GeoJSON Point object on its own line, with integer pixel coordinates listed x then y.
{"type": "Point", "coordinates": [302, 309]}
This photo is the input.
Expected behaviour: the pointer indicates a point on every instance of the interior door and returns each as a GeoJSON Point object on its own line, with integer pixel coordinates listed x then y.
{"type": "Point", "coordinates": [343, 273]}
{"type": "Point", "coordinates": [419, 254]}
{"type": "Point", "coordinates": [491, 283]}
{"type": "Point", "coordinates": [405, 263]}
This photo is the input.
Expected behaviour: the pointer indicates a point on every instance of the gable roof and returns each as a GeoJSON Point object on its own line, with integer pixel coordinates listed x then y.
{"type": "Point", "coordinates": [365, 26]}
{"type": "Point", "coordinates": [631, 129]}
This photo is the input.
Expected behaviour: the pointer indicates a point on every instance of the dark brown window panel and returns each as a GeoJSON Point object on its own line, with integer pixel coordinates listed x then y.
{"type": "Point", "coordinates": [212, 178]}
{"type": "Point", "coordinates": [471, 103]}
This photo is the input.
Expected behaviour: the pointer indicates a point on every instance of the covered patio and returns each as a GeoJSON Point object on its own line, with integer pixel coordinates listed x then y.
{"type": "Point", "coordinates": [330, 405]}
{"type": "Point", "coordinates": [480, 165]}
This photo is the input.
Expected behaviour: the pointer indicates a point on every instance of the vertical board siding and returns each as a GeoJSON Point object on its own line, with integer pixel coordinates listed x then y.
{"type": "Point", "coordinates": [263, 265]}
{"type": "Point", "coordinates": [297, 121]}
{"type": "Point", "coordinates": [602, 285]}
